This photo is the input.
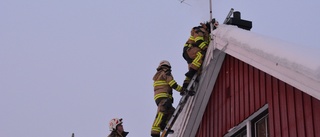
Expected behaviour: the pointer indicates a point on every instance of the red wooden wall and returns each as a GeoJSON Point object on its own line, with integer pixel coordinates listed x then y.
{"type": "Point", "coordinates": [241, 90]}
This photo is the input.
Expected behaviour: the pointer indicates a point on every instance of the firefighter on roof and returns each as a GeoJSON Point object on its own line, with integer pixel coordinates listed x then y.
{"type": "Point", "coordinates": [116, 128]}
{"type": "Point", "coordinates": [195, 49]}
{"type": "Point", "coordinates": [194, 52]}
{"type": "Point", "coordinates": [163, 85]}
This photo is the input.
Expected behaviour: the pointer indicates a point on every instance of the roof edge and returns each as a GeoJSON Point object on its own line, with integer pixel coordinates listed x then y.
{"type": "Point", "coordinates": [275, 69]}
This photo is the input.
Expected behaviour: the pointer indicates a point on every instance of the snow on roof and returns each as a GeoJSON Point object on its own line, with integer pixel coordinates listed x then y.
{"type": "Point", "coordinates": [297, 57]}
{"type": "Point", "coordinates": [294, 64]}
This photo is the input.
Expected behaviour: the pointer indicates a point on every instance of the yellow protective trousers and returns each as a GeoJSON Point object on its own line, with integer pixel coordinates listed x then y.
{"type": "Point", "coordinates": [164, 113]}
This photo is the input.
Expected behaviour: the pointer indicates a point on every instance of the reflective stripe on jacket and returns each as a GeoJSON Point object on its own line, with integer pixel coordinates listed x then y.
{"type": "Point", "coordinates": [186, 47]}
{"type": "Point", "coordinates": [189, 42]}
{"type": "Point", "coordinates": [163, 84]}
{"type": "Point", "coordinates": [199, 42]}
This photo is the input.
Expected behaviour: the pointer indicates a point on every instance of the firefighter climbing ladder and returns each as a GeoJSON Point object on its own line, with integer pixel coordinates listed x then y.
{"type": "Point", "coordinates": [192, 87]}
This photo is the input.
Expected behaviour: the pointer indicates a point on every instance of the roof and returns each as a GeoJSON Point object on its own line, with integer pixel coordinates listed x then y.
{"type": "Point", "coordinates": [294, 64]}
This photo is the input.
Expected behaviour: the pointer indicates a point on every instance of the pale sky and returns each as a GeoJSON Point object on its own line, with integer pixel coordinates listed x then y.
{"type": "Point", "coordinates": [69, 66]}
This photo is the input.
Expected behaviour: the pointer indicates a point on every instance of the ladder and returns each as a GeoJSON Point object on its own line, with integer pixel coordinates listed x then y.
{"type": "Point", "coordinates": [192, 87]}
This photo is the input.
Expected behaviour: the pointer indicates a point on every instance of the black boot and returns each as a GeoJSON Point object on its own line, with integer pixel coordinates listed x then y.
{"type": "Point", "coordinates": [155, 135]}
{"type": "Point", "coordinates": [170, 131]}
{"type": "Point", "coordinates": [191, 73]}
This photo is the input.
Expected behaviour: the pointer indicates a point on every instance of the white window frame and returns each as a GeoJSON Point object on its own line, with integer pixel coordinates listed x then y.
{"type": "Point", "coordinates": [246, 123]}
{"type": "Point", "coordinates": [261, 118]}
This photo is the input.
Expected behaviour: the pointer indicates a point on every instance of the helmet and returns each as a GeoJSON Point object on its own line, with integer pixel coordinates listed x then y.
{"type": "Point", "coordinates": [114, 123]}
{"type": "Point", "coordinates": [164, 63]}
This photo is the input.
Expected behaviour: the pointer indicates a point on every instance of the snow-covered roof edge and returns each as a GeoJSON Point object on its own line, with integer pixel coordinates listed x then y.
{"type": "Point", "coordinates": [290, 63]}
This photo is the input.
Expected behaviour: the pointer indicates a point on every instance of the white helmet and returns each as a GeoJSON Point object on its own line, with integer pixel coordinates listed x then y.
{"type": "Point", "coordinates": [114, 123]}
{"type": "Point", "coordinates": [164, 63]}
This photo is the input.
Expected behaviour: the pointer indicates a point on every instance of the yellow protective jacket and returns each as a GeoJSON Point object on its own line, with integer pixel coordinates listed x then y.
{"type": "Point", "coordinates": [189, 42]}
{"type": "Point", "coordinates": [197, 52]}
{"type": "Point", "coordinates": [200, 43]}
{"type": "Point", "coordinates": [186, 48]}
{"type": "Point", "coordinates": [164, 83]}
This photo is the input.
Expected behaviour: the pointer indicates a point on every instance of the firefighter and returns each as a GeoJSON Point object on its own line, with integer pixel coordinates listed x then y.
{"type": "Point", "coordinates": [195, 48]}
{"type": "Point", "coordinates": [116, 128]}
{"type": "Point", "coordinates": [163, 85]}
{"type": "Point", "coordinates": [195, 52]}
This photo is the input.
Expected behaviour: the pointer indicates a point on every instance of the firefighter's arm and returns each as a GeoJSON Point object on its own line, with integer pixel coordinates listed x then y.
{"type": "Point", "coordinates": [199, 42]}
{"type": "Point", "coordinates": [189, 42]}
{"type": "Point", "coordinates": [173, 84]}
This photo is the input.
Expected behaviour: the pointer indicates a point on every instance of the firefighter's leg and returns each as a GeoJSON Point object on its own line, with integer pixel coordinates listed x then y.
{"type": "Point", "coordinates": [192, 54]}
{"type": "Point", "coordinates": [167, 111]}
{"type": "Point", "coordinates": [195, 65]}
{"type": "Point", "coordinates": [167, 115]}
{"type": "Point", "coordinates": [170, 112]}
{"type": "Point", "coordinates": [186, 83]}
{"type": "Point", "coordinates": [156, 124]}
{"type": "Point", "coordinates": [155, 131]}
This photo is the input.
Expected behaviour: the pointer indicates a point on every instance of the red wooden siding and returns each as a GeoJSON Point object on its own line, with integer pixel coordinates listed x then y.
{"type": "Point", "coordinates": [241, 89]}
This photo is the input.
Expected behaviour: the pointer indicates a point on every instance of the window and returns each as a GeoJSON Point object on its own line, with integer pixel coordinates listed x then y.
{"type": "Point", "coordinates": [255, 125]}
{"type": "Point", "coordinates": [241, 133]}
{"type": "Point", "coordinates": [260, 126]}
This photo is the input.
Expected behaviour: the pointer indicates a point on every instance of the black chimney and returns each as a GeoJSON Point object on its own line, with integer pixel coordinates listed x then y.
{"type": "Point", "coordinates": [237, 21]}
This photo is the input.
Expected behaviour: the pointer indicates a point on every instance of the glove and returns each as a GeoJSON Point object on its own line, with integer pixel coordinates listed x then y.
{"type": "Point", "coordinates": [185, 85]}
{"type": "Point", "coordinates": [183, 91]}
